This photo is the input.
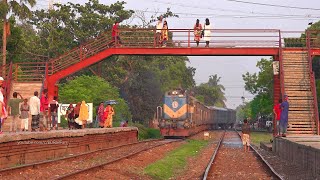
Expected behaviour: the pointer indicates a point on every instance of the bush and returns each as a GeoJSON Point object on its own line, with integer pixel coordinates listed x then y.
{"type": "Point", "coordinates": [64, 122]}
{"type": "Point", "coordinates": [146, 133]}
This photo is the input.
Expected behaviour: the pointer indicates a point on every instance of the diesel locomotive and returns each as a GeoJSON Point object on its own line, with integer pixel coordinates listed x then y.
{"type": "Point", "coordinates": [183, 115]}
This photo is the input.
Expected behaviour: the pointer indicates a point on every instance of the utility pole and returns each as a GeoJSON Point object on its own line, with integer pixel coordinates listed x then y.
{"type": "Point", "coordinates": [4, 38]}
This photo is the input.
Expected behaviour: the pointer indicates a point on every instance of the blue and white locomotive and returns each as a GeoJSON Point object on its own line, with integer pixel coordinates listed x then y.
{"type": "Point", "coordinates": [183, 115]}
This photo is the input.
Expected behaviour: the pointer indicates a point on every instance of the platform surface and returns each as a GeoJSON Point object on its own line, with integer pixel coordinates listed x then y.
{"type": "Point", "coordinates": [20, 136]}
{"type": "Point", "coordinates": [309, 140]}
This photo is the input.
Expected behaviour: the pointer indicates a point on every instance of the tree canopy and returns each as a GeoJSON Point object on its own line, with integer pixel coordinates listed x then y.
{"type": "Point", "coordinates": [212, 92]}
{"type": "Point", "coordinates": [261, 85]}
{"type": "Point", "coordinates": [81, 88]}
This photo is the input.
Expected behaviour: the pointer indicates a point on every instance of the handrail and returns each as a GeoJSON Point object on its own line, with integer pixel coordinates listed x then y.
{"type": "Point", "coordinates": [281, 67]}
{"type": "Point", "coordinates": [8, 84]}
{"type": "Point", "coordinates": [312, 83]}
{"type": "Point", "coordinates": [44, 79]}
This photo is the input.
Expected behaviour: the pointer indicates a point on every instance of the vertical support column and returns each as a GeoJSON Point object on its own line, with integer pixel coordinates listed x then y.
{"type": "Point", "coordinates": [51, 88]}
{"type": "Point", "coordinates": [276, 90]}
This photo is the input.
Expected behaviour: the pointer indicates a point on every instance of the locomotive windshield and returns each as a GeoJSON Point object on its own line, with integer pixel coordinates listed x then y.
{"type": "Point", "coordinates": [177, 92]}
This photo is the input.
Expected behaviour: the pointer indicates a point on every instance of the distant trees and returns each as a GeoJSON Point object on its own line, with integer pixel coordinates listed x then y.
{"type": "Point", "coordinates": [212, 92]}
{"type": "Point", "coordinates": [18, 9]}
{"type": "Point", "coordinates": [93, 89]}
{"type": "Point", "coordinates": [261, 85]}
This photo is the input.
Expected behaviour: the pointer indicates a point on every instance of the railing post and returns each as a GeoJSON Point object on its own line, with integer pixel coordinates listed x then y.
{"type": "Point", "coordinates": [80, 52]}
{"type": "Point", "coordinates": [281, 66]}
{"type": "Point", "coordinates": [154, 38]}
{"type": "Point", "coordinates": [16, 72]}
{"type": "Point", "coordinates": [188, 38]}
{"type": "Point", "coordinates": [312, 82]}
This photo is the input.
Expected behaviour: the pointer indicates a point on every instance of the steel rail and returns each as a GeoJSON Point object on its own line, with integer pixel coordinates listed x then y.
{"type": "Point", "coordinates": [274, 172]}
{"type": "Point", "coordinates": [100, 166]}
{"type": "Point", "coordinates": [34, 165]}
{"type": "Point", "coordinates": [205, 175]}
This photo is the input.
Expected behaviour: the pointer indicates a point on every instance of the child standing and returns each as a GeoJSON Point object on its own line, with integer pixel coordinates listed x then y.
{"type": "Point", "coordinates": [24, 108]}
{"type": "Point", "coordinates": [246, 135]}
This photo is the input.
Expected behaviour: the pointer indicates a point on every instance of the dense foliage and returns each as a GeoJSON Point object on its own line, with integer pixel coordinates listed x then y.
{"type": "Point", "coordinates": [211, 93]}
{"type": "Point", "coordinates": [261, 85]}
{"type": "Point", "coordinates": [82, 88]}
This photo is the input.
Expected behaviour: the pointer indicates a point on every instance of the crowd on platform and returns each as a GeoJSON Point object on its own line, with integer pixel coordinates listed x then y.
{"type": "Point", "coordinates": [44, 114]}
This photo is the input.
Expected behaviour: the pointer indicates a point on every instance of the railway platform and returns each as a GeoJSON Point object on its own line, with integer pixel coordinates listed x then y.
{"type": "Point", "coordinates": [17, 149]}
{"type": "Point", "coordinates": [303, 150]}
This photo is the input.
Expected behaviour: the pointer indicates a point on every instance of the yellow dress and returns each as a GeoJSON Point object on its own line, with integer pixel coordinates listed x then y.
{"type": "Point", "coordinates": [83, 114]}
{"type": "Point", "coordinates": [109, 112]}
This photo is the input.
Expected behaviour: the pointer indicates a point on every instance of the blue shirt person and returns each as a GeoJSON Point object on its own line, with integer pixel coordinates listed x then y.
{"type": "Point", "coordinates": [284, 116]}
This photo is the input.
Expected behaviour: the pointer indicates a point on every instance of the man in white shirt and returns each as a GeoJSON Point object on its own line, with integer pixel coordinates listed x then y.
{"type": "Point", "coordinates": [159, 27]}
{"type": "Point", "coordinates": [35, 111]}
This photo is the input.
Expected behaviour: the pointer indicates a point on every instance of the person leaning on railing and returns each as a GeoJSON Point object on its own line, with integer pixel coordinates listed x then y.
{"type": "Point", "coordinates": [207, 32]}
{"type": "Point", "coordinates": [115, 33]}
{"type": "Point", "coordinates": [159, 27]}
{"type": "Point", "coordinates": [164, 34]}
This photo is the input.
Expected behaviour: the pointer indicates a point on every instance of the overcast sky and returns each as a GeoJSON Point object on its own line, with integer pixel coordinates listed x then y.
{"type": "Point", "coordinates": [232, 14]}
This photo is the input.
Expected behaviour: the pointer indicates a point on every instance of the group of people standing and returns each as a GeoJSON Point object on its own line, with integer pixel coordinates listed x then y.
{"type": "Point", "coordinates": [44, 113]}
{"type": "Point", "coordinates": [204, 32]}
{"type": "Point", "coordinates": [77, 116]}
{"type": "Point", "coordinates": [281, 111]}
{"type": "Point", "coordinates": [104, 116]}
{"type": "Point", "coordinates": [161, 33]}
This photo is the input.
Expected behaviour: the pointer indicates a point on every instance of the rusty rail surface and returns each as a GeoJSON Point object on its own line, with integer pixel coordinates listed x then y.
{"type": "Point", "coordinates": [37, 164]}
{"type": "Point", "coordinates": [274, 172]}
{"type": "Point", "coordinates": [206, 172]}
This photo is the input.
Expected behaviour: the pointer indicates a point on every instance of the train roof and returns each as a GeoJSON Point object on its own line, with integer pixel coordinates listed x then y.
{"type": "Point", "coordinates": [220, 108]}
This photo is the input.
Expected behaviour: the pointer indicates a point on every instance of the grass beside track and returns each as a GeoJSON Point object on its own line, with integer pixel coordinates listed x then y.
{"type": "Point", "coordinates": [257, 137]}
{"type": "Point", "coordinates": [175, 161]}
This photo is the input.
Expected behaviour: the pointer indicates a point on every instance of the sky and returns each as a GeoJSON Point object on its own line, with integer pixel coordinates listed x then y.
{"type": "Point", "coordinates": [228, 14]}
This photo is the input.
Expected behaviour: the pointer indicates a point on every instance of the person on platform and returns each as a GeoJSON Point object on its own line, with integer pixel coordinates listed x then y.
{"type": "Point", "coordinates": [197, 29]}
{"type": "Point", "coordinates": [44, 103]}
{"type": "Point", "coordinates": [246, 135]}
{"type": "Point", "coordinates": [115, 33]}
{"type": "Point", "coordinates": [70, 116]}
{"type": "Point", "coordinates": [35, 111]}
{"type": "Point", "coordinates": [76, 115]}
{"type": "Point", "coordinates": [53, 111]}
{"type": "Point", "coordinates": [277, 114]}
{"type": "Point", "coordinates": [124, 124]}
{"type": "Point", "coordinates": [108, 113]}
{"type": "Point", "coordinates": [3, 111]}
{"type": "Point", "coordinates": [159, 27]}
{"type": "Point", "coordinates": [13, 110]}
{"type": "Point", "coordinates": [207, 32]}
{"type": "Point", "coordinates": [100, 115]}
{"type": "Point", "coordinates": [83, 114]}
{"type": "Point", "coordinates": [164, 34]}
{"type": "Point", "coordinates": [284, 116]}
{"type": "Point", "coordinates": [24, 109]}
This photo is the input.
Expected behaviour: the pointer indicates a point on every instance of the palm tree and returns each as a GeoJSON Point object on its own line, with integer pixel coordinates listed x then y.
{"type": "Point", "coordinates": [19, 9]}
{"type": "Point", "coordinates": [211, 93]}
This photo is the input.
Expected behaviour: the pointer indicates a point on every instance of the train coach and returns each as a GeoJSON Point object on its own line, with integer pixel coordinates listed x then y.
{"type": "Point", "coordinates": [183, 115]}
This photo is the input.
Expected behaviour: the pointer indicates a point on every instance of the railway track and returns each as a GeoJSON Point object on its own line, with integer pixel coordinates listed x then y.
{"type": "Point", "coordinates": [31, 170]}
{"type": "Point", "coordinates": [218, 147]}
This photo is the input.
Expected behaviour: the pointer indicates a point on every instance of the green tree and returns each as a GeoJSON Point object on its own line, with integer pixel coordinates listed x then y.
{"type": "Point", "coordinates": [93, 89]}
{"type": "Point", "coordinates": [144, 79]}
{"type": "Point", "coordinates": [261, 85]}
{"type": "Point", "coordinates": [68, 25]}
{"type": "Point", "coordinates": [211, 93]}
{"type": "Point", "coordinates": [18, 9]}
